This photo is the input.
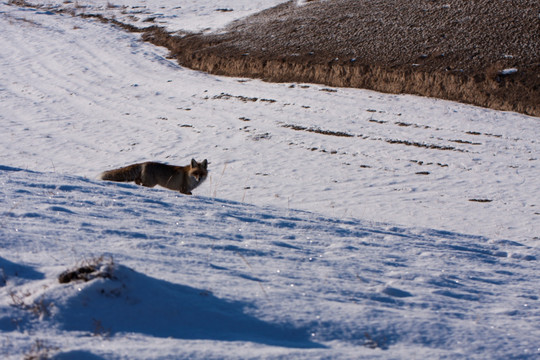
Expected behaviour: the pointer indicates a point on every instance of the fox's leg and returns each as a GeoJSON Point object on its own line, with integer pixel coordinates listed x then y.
{"type": "Point", "coordinates": [148, 183]}
{"type": "Point", "coordinates": [146, 179]}
{"type": "Point", "coordinates": [184, 190]}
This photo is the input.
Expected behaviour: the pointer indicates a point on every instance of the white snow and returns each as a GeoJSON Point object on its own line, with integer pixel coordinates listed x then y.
{"type": "Point", "coordinates": [508, 71]}
{"type": "Point", "coordinates": [174, 15]}
{"type": "Point", "coordinates": [335, 223]}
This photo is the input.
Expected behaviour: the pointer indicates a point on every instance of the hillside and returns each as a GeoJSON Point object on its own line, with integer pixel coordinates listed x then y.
{"type": "Point", "coordinates": [484, 53]}
{"type": "Point", "coordinates": [334, 222]}
{"type": "Point", "coordinates": [157, 275]}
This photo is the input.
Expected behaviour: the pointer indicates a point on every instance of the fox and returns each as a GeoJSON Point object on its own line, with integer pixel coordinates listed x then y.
{"type": "Point", "coordinates": [180, 178]}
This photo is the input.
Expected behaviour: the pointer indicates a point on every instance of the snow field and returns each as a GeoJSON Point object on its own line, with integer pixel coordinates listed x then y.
{"type": "Point", "coordinates": [408, 160]}
{"type": "Point", "coordinates": [204, 271]}
{"type": "Point", "coordinates": [335, 223]}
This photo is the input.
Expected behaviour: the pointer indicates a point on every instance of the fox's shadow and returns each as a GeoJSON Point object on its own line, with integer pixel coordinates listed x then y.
{"type": "Point", "coordinates": [133, 302]}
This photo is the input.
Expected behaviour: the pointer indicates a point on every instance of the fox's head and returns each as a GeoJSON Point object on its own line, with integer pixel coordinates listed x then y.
{"type": "Point", "coordinates": [198, 170]}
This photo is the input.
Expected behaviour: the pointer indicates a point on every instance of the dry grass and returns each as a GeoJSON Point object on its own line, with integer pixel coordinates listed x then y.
{"type": "Point", "coordinates": [40, 350]}
{"type": "Point", "coordinates": [99, 267]}
{"type": "Point", "coordinates": [39, 308]}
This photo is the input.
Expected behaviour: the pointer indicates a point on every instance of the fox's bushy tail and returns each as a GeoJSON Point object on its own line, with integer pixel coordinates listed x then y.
{"type": "Point", "coordinates": [127, 173]}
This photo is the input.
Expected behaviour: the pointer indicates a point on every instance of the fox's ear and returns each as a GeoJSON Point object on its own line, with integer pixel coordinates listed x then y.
{"type": "Point", "coordinates": [193, 163]}
{"type": "Point", "coordinates": [204, 163]}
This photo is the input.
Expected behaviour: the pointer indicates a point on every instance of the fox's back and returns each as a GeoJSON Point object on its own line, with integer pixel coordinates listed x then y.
{"type": "Point", "coordinates": [160, 169]}
{"type": "Point", "coordinates": [150, 174]}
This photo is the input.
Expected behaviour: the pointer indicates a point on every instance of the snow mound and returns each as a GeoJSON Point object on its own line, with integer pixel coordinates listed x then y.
{"type": "Point", "coordinates": [129, 301]}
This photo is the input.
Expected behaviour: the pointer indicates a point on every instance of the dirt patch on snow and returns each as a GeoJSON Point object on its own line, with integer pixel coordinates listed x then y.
{"type": "Point", "coordinates": [484, 52]}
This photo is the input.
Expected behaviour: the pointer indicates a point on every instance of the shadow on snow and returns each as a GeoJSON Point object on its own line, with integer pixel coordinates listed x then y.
{"type": "Point", "coordinates": [10, 270]}
{"type": "Point", "coordinates": [131, 302]}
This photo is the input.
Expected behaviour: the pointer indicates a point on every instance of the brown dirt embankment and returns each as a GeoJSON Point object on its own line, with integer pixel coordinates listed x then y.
{"type": "Point", "coordinates": [454, 49]}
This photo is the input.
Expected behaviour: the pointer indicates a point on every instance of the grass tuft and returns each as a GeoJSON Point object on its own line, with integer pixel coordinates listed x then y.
{"type": "Point", "coordinates": [98, 267]}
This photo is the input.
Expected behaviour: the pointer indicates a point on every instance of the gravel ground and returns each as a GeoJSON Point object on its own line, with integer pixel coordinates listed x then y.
{"type": "Point", "coordinates": [452, 35]}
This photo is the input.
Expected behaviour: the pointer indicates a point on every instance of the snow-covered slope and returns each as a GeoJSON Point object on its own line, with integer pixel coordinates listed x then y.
{"type": "Point", "coordinates": [192, 16]}
{"type": "Point", "coordinates": [81, 97]}
{"type": "Point", "coordinates": [235, 271]}
{"type": "Point", "coordinates": [194, 277]}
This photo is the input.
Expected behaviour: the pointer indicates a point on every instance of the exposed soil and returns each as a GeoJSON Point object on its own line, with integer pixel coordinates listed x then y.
{"type": "Point", "coordinates": [453, 49]}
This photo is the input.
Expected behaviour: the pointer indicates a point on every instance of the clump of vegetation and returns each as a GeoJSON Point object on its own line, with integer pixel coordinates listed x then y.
{"type": "Point", "coordinates": [99, 267]}
{"type": "Point", "coordinates": [40, 351]}
{"type": "Point", "coordinates": [40, 308]}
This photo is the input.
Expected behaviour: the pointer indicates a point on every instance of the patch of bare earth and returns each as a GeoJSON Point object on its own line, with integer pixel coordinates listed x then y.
{"type": "Point", "coordinates": [459, 50]}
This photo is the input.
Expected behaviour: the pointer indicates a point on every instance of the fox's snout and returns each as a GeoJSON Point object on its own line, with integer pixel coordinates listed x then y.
{"type": "Point", "coordinates": [198, 175]}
